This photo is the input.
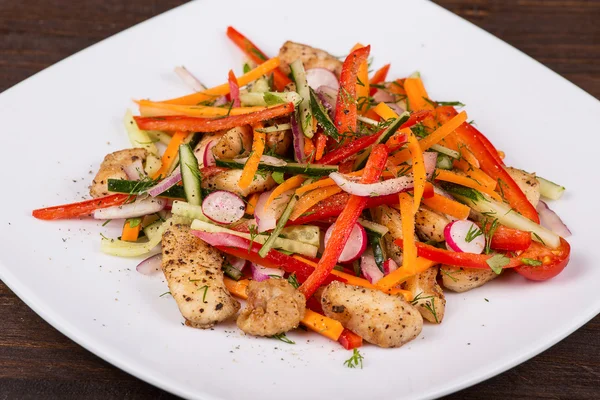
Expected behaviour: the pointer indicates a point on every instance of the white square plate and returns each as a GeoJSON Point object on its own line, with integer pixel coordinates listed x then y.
{"type": "Point", "coordinates": [58, 125]}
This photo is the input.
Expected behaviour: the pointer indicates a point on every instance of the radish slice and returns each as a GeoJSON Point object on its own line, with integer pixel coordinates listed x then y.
{"type": "Point", "coordinates": [136, 209]}
{"type": "Point", "coordinates": [355, 245]}
{"type": "Point", "coordinates": [223, 207]}
{"type": "Point", "coordinates": [266, 218]}
{"type": "Point", "coordinates": [135, 170]}
{"type": "Point", "coordinates": [317, 77]}
{"type": "Point", "coordinates": [236, 262]}
{"type": "Point", "coordinates": [550, 220]}
{"type": "Point", "coordinates": [389, 266]}
{"type": "Point", "coordinates": [260, 273]}
{"type": "Point", "coordinates": [462, 236]}
{"type": "Point", "coordinates": [150, 265]}
{"type": "Point", "coordinates": [369, 267]}
{"type": "Point", "coordinates": [209, 159]}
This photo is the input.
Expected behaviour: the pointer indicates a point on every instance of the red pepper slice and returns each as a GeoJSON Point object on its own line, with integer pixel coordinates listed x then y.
{"type": "Point", "coordinates": [255, 54]}
{"type": "Point", "coordinates": [488, 163]}
{"type": "Point", "coordinates": [234, 89]}
{"type": "Point", "coordinates": [378, 77]}
{"type": "Point", "coordinates": [350, 340]}
{"type": "Point", "coordinates": [345, 109]}
{"type": "Point", "coordinates": [509, 239]}
{"type": "Point", "coordinates": [80, 209]}
{"type": "Point", "coordinates": [345, 222]}
{"type": "Point", "coordinates": [195, 124]}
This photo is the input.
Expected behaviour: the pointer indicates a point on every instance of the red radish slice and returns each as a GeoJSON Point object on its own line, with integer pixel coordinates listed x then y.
{"type": "Point", "coordinates": [260, 273]}
{"type": "Point", "coordinates": [236, 262]}
{"type": "Point", "coordinates": [209, 159]}
{"type": "Point", "coordinates": [266, 217]}
{"type": "Point", "coordinates": [550, 220]}
{"type": "Point", "coordinates": [463, 236]}
{"type": "Point", "coordinates": [151, 265]}
{"type": "Point", "coordinates": [369, 267]}
{"type": "Point", "coordinates": [316, 77]}
{"type": "Point", "coordinates": [389, 266]}
{"type": "Point", "coordinates": [355, 245]}
{"type": "Point", "coordinates": [223, 207]}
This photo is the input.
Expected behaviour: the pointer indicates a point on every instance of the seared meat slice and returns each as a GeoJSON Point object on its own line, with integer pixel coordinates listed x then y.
{"type": "Point", "coordinates": [310, 56]}
{"type": "Point", "coordinates": [427, 295]}
{"type": "Point", "coordinates": [274, 306]}
{"type": "Point", "coordinates": [112, 168]}
{"type": "Point", "coordinates": [279, 142]}
{"type": "Point", "coordinates": [430, 224]}
{"type": "Point", "coordinates": [528, 184]}
{"type": "Point", "coordinates": [379, 318]}
{"type": "Point", "coordinates": [235, 143]}
{"type": "Point", "coordinates": [463, 279]}
{"type": "Point", "coordinates": [195, 279]}
{"type": "Point", "coordinates": [228, 180]}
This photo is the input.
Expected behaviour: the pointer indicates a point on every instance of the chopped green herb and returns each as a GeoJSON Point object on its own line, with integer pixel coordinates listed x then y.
{"type": "Point", "coordinates": [472, 233]}
{"type": "Point", "coordinates": [164, 294]}
{"type": "Point", "coordinates": [277, 176]}
{"type": "Point", "coordinates": [293, 280]}
{"type": "Point", "coordinates": [133, 222]}
{"type": "Point", "coordinates": [497, 262]}
{"type": "Point", "coordinates": [531, 262]}
{"type": "Point", "coordinates": [272, 99]}
{"type": "Point", "coordinates": [106, 222]}
{"type": "Point", "coordinates": [246, 68]}
{"type": "Point", "coordinates": [538, 238]}
{"type": "Point", "coordinates": [283, 338]}
{"type": "Point", "coordinates": [355, 361]}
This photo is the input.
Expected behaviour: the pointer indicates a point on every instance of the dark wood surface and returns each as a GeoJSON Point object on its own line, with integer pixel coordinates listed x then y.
{"type": "Point", "coordinates": [36, 361]}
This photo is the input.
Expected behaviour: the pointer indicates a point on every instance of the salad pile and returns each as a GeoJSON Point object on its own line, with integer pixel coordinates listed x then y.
{"type": "Point", "coordinates": [323, 195]}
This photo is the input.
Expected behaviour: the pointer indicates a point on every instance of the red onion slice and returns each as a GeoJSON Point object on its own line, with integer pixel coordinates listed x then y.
{"type": "Point", "coordinates": [208, 158]}
{"type": "Point", "coordinates": [383, 188]}
{"type": "Point", "coordinates": [550, 220]}
{"type": "Point", "coordinates": [389, 266]}
{"type": "Point", "coordinates": [355, 245]}
{"type": "Point", "coordinates": [151, 265]}
{"type": "Point", "coordinates": [429, 159]}
{"type": "Point", "coordinates": [383, 96]}
{"type": "Point", "coordinates": [236, 262]}
{"type": "Point", "coordinates": [369, 267]}
{"type": "Point", "coordinates": [328, 97]}
{"type": "Point", "coordinates": [136, 209]}
{"type": "Point", "coordinates": [223, 207]}
{"type": "Point", "coordinates": [166, 183]}
{"type": "Point", "coordinates": [269, 160]}
{"type": "Point", "coordinates": [266, 218]}
{"type": "Point", "coordinates": [189, 79]}
{"type": "Point", "coordinates": [260, 273]}
{"type": "Point", "coordinates": [317, 77]}
{"type": "Point", "coordinates": [463, 236]}
{"type": "Point", "coordinates": [298, 140]}
{"type": "Point", "coordinates": [135, 170]}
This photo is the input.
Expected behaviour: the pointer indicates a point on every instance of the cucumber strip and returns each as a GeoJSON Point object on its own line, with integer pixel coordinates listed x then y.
{"type": "Point", "coordinates": [308, 234]}
{"type": "Point", "coordinates": [158, 136]}
{"type": "Point", "coordinates": [361, 160]}
{"type": "Point", "coordinates": [505, 215]}
{"type": "Point", "coordinates": [549, 189]}
{"type": "Point", "coordinates": [140, 139]}
{"type": "Point", "coordinates": [288, 168]}
{"type": "Point", "coordinates": [443, 162]}
{"type": "Point", "coordinates": [260, 85]}
{"type": "Point", "coordinates": [269, 98]}
{"type": "Point", "coordinates": [275, 128]}
{"type": "Point", "coordinates": [306, 117]}
{"type": "Point", "coordinates": [375, 241]}
{"type": "Point", "coordinates": [117, 247]}
{"type": "Point", "coordinates": [188, 210]}
{"type": "Point", "coordinates": [292, 246]}
{"type": "Point", "coordinates": [444, 150]}
{"type": "Point", "coordinates": [190, 175]}
{"type": "Point", "coordinates": [139, 187]}
{"type": "Point", "coordinates": [322, 117]}
{"type": "Point", "coordinates": [373, 227]}
{"type": "Point", "coordinates": [285, 216]}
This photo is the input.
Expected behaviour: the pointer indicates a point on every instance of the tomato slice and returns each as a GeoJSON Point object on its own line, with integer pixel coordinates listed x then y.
{"type": "Point", "coordinates": [553, 261]}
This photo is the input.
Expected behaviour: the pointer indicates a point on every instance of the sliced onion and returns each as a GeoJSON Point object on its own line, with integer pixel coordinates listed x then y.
{"type": "Point", "coordinates": [220, 101]}
{"type": "Point", "coordinates": [328, 97]}
{"type": "Point", "coordinates": [236, 262]}
{"type": "Point", "coordinates": [298, 140]}
{"type": "Point", "coordinates": [135, 170]}
{"type": "Point", "coordinates": [550, 220]}
{"type": "Point", "coordinates": [166, 183]}
{"type": "Point", "coordinates": [317, 77]}
{"type": "Point", "coordinates": [269, 160]}
{"type": "Point", "coordinates": [383, 96]}
{"type": "Point", "coordinates": [355, 245]}
{"type": "Point", "coordinates": [389, 266]}
{"type": "Point", "coordinates": [223, 207]}
{"type": "Point", "coordinates": [260, 273]}
{"type": "Point", "coordinates": [456, 233]}
{"type": "Point", "coordinates": [397, 109]}
{"type": "Point", "coordinates": [208, 158]}
{"type": "Point", "coordinates": [383, 188]}
{"type": "Point", "coordinates": [369, 267]}
{"type": "Point", "coordinates": [266, 218]}
{"type": "Point", "coordinates": [189, 79]}
{"type": "Point", "coordinates": [429, 159]}
{"type": "Point", "coordinates": [136, 209]}
{"type": "Point", "coordinates": [151, 265]}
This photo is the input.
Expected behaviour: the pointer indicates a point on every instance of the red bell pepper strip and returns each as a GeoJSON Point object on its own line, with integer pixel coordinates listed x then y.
{"type": "Point", "coordinates": [509, 239]}
{"type": "Point", "coordinates": [346, 110]}
{"type": "Point", "coordinates": [488, 164]}
{"type": "Point", "coordinates": [378, 77]}
{"type": "Point", "coordinates": [279, 78]}
{"type": "Point", "coordinates": [350, 340]}
{"type": "Point", "coordinates": [195, 124]}
{"type": "Point", "coordinates": [345, 223]}
{"type": "Point", "coordinates": [234, 89]}
{"type": "Point", "coordinates": [552, 261]}
{"type": "Point", "coordinates": [82, 208]}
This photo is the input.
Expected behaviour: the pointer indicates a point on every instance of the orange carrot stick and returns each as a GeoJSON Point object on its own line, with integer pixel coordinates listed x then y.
{"type": "Point", "coordinates": [362, 83]}
{"type": "Point", "coordinates": [251, 166]}
{"type": "Point", "coordinates": [395, 278]}
{"type": "Point", "coordinates": [476, 174]}
{"type": "Point", "coordinates": [289, 184]}
{"type": "Point", "coordinates": [312, 198]}
{"type": "Point", "coordinates": [447, 206]}
{"type": "Point", "coordinates": [251, 206]}
{"type": "Point", "coordinates": [418, 167]}
{"type": "Point", "coordinates": [409, 248]}
{"type": "Point", "coordinates": [170, 154]}
{"type": "Point", "coordinates": [130, 234]}
{"type": "Point", "coordinates": [417, 94]}
{"type": "Point", "coordinates": [449, 176]}
{"type": "Point", "coordinates": [320, 148]}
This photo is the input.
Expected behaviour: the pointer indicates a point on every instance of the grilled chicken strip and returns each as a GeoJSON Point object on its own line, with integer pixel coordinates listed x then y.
{"type": "Point", "coordinates": [234, 143]}
{"type": "Point", "coordinates": [528, 184]}
{"type": "Point", "coordinates": [274, 306]}
{"type": "Point", "coordinates": [279, 142]}
{"type": "Point", "coordinates": [464, 279]}
{"type": "Point", "coordinates": [195, 279]}
{"type": "Point", "coordinates": [428, 297]}
{"type": "Point", "coordinates": [228, 180]}
{"type": "Point", "coordinates": [201, 146]}
{"type": "Point", "coordinates": [379, 318]}
{"type": "Point", "coordinates": [112, 168]}
{"type": "Point", "coordinates": [310, 56]}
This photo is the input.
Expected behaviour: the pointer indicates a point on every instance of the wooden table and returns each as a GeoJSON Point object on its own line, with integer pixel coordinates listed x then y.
{"type": "Point", "coordinates": [36, 361]}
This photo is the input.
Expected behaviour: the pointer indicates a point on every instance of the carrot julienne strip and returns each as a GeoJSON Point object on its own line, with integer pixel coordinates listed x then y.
{"type": "Point", "coordinates": [251, 166]}
{"type": "Point", "coordinates": [170, 154]}
{"type": "Point", "coordinates": [288, 184]}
